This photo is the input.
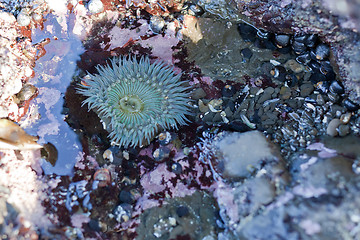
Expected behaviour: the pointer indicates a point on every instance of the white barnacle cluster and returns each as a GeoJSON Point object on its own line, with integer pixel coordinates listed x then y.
{"type": "Point", "coordinates": [208, 152]}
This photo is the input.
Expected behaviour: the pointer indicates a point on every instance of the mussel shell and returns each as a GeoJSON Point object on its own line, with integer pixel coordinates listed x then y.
{"type": "Point", "coordinates": [247, 32]}
{"type": "Point", "coordinates": [300, 38]}
{"type": "Point", "coordinates": [282, 40]}
{"type": "Point", "coordinates": [350, 105]}
{"type": "Point", "coordinates": [337, 87]}
{"type": "Point", "coordinates": [311, 40]}
{"type": "Point", "coordinates": [298, 47]}
{"type": "Point", "coordinates": [50, 153]}
{"type": "Point", "coordinates": [323, 86]}
{"type": "Point", "coordinates": [304, 58]}
{"type": "Point", "coordinates": [195, 10]}
{"type": "Point", "coordinates": [317, 77]}
{"type": "Point", "coordinates": [322, 51]}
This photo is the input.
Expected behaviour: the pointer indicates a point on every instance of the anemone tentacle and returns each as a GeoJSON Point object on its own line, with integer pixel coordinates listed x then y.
{"type": "Point", "coordinates": [135, 99]}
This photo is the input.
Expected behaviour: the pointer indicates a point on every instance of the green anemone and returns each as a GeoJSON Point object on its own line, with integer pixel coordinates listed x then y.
{"type": "Point", "coordinates": [136, 99]}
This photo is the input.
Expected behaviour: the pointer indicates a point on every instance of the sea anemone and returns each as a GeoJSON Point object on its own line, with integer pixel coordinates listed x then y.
{"type": "Point", "coordinates": [136, 99]}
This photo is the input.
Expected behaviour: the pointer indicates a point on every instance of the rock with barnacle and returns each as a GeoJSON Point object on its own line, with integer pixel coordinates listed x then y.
{"type": "Point", "coordinates": [136, 99]}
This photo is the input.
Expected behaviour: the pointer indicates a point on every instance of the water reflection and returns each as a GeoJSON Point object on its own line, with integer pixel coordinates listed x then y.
{"type": "Point", "coordinates": [53, 74]}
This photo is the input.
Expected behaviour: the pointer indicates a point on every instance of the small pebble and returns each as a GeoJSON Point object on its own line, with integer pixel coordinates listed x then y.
{"type": "Point", "coordinates": [294, 66]}
{"type": "Point", "coordinates": [267, 68]}
{"type": "Point", "coordinates": [332, 127]}
{"type": "Point", "coordinates": [269, 90]}
{"type": "Point", "coordinates": [215, 105]}
{"type": "Point", "coordinates": [37, 17]}
{"type": "Point", "coordinates": [94, 225]}
{"type": "Point", "coordinates": [95, 6]}
{"type": "Point", "coordinates": [230, 105]}
{"type": "Point", "coordinates": [176, 168]}
{"type": "Point", "coordinates": [126, 155]}
{"type": "Point", "coordinates": [217, 117]}
{"type": "Point", "coordinates": [157, 24]}
{"type": "Point", "coordinates": [313, 132]}
{"type": "Point", "coordinates": [228, 91]}
{"type": "Point", "coordinates": [343, 130]}
{"type": "Point", "coordinates": [228, 112]}
{"type": "Point", "coordinates": [182, 211]}
{"type": "Point", "coordinates": [264, 97]}
{"type": "Point", "coordinates": [126, 197]}
{"type": "Point", "coordinates": [198, 93]}
{"type": "Point", "coordinates": [246, 53]}
{"type": "Point", "coordinates": [345, 118]}
{"type": "Point", "coordinates": [208, 116]}
{"type": "Point", "coordinates": [23, 18]}
{"type": "Point", "coordinates": [356, 166]}
{"type": "Point", "coordinates": [282, 40]}
{"type": "Point", "coordinates": [306, 89]}
{"type": "Point", "coordinates": [285, 93]}
{"type": "Point", "coordinates": [254, 90]}
{"type": "Point", "coordinates": [320, 100]}
{"type": "Point", "coordinates": [269, 122]}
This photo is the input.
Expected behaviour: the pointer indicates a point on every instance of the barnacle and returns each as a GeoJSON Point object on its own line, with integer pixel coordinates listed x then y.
{"type": "Point", "coordinates": [136, 99]}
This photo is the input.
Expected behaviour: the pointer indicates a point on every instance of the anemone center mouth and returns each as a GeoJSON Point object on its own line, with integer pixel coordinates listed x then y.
{"type": "Point", "coordinates": [131, 104]}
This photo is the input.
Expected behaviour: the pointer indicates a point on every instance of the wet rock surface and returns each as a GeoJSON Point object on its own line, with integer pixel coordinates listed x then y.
{"type": "Point", "coordinates": [17, 59]}
{"type": "Point", "coordinates": [271, 150]}
{"type": "Point", "coordinates": [193, 217]}
{"type": "Point", "coordinates": [337, 24]}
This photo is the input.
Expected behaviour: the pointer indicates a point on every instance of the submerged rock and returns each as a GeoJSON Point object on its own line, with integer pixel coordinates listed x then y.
{"type": "Point", "coordinates": [190, 217]}
{"type": "Point", "coordinates": [243, 153]}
